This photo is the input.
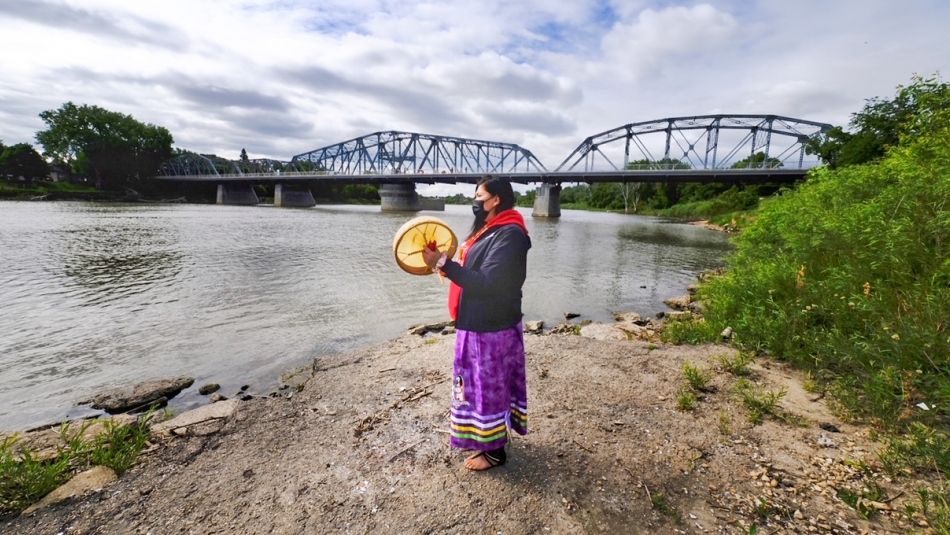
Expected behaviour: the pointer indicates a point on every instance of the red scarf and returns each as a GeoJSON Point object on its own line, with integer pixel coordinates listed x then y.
{"type": "Point", "coordinates": [508, 217]}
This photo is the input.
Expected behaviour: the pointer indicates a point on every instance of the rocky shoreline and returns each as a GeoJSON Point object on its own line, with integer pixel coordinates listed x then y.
{"type": "Point", "coordinates": [358, 443]}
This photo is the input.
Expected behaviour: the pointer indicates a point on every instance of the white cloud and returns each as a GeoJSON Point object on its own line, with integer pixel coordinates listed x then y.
{"type": "Point", "coordinates": [284, 77]}
{"type": "Point", "coordinates": [657, 41]}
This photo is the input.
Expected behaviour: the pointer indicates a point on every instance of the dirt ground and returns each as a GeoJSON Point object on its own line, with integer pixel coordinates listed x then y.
{"type": "Point", "coordinates": [363, 448]}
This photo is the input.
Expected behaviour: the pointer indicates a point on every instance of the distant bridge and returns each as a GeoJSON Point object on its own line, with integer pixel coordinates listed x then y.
{"type": "Point", "coordinates": [770, 148]}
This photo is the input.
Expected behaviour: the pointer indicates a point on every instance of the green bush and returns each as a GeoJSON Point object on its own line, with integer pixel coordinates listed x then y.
{"type": "Point", "coordinates": [686, 399]}
{"type": "Point", "coordinates": [25, 479]}
{"type": "Point", "coordinates": [851, 274]}
{"type": "Point", "coordinates": [697, 379]}
{"type": "Point", "coordinates": [738, 365]}
{"type": "Point", "coordinates": [688, 331]}
{"type": "Point", "coordinates": [759, 402]}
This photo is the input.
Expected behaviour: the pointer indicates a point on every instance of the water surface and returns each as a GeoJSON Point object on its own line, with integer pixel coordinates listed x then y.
{"type": "Point", "coordinates": [97, 295]}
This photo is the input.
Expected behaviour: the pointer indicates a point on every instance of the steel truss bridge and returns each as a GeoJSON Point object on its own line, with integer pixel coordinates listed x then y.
{"type": "Point", "coordinates": [678, 149]}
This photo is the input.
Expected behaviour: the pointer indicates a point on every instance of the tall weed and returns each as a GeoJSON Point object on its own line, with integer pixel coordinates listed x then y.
{"type": "Point", "coordinates": [24, 479]}
{"type": "Point", "coordinates": [850, 275]}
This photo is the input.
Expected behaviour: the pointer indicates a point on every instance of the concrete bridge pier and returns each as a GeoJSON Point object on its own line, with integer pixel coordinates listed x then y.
{"type": "Point", "coordinates": [403, 198]}
{"type": "Point", "coordinates": [547, 203]}
{"type": "Point", "coordinates": [238, 194]}
{"type": "Point", "coordinates": [286, 196]}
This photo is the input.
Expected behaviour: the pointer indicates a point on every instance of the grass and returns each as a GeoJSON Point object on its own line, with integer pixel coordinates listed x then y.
{"type": "Point", "coordinates": [764, 509]}
{"type": "Point", "coordinates": [661, 504]}
{"type": "Point", "coordinates": [725, 424]}
{"type": "Point", "coordinates": [858, 500]}
{"type": "Point", "coordinates": [120, 445]}
{"type": "Point", "coordinates": [697, 379]}
{"type": "Point", "coordinates": [24, 479]}
{"type": "Point", "coordinates": [758, 402]}
{"type": "Point", "coordinates": [688, 331]}
{"type": "Point", "coordinates": [922, 448]}
{"type": "Point", "coordinates": [811, 385]}
{"type": "Point", "coordinates": [686, 400]}
{"type": "Point", "coordinates": [847, 277]}
{"type": "Point", "coordinates": [934, 506]}
{"type": "Point", "coordinates": [737, 365]}
{"type": "Point", "coordinates": [18, 189]}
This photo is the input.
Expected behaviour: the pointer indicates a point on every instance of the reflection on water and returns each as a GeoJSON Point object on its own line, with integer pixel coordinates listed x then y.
{"type": "Point", "coordinates": [668, 236]}
{"type": "Point", "coordinates": [95, 295]}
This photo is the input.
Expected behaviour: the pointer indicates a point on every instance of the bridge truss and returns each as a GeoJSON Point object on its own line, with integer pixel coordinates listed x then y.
{"type": "Point", "coordinates": [393, 152]}
{"type": "Point", "coordinates": [192, 164]}
{"type": "Point", "coordinates": [700, 142]}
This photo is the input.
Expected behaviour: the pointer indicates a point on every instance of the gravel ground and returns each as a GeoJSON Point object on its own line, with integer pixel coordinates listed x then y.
{"type": "Point", "coordinates": [362, 447]}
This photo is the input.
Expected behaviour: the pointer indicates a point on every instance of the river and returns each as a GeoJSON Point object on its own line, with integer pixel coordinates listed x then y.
{"type": "Point", "coordinates": [98, 295]}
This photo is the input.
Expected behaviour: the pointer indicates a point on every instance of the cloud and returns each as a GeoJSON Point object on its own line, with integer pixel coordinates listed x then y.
{"type": "Point", "coordinates": [128, 29]}
{"type": "Point", "coordinates": [525, 117]}
{"type": "Point", "coordinates": [286, 76]}
{"type": "Point", "coordinates": [212, 96]}
{"type": "Point", "coordinates": [404, 103]}
{"type": "Point", "coordinates": [657, 40]}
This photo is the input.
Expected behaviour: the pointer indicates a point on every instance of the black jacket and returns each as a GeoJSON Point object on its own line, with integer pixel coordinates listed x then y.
{"type": "Point", "coordinates": [491, 280]}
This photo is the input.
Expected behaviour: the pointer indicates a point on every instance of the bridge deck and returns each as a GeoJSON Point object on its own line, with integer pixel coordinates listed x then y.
{"type": "Point", "coordinates": [653, 175]}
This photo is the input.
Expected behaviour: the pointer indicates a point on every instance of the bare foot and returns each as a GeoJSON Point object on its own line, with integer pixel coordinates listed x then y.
{"type": "Point", "coordinates": [482, 461]}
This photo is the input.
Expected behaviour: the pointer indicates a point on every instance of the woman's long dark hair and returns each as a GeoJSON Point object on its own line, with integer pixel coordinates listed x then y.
{"type": "Point", "coordinates": [495, 186]}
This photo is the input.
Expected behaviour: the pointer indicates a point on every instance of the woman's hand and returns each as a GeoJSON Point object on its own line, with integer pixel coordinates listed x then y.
{"type": "Point", "coordinates": [431, 256]}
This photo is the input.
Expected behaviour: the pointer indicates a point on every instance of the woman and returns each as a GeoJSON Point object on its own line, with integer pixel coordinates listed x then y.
{"type": "Point", "coordinates": [489, 392]}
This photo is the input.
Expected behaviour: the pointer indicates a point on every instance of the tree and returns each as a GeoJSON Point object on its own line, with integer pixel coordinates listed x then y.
{"type": "Point", "coordinates": [883, 123]}
{"type": "Point", "coordinates": [112, 147]}
{"type": "Point", "coordinates": [661, 195]}
{"type": "Point", "coordinates": [22, 160]}
{"type": "Point", "coordinates": [244, 157]}
{"type": "Point", "coordinates": [758, 161]}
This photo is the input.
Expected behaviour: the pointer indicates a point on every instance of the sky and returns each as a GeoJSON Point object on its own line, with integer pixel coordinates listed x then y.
{"type": "Point", "coordinates": [284, 77]}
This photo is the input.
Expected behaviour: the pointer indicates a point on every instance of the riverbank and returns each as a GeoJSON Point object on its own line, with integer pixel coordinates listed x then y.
{"type": "Point", "coordinates": [361, 446]}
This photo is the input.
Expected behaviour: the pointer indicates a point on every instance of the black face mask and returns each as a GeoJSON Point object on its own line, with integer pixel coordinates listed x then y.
{"type": "Point", "coordinates": [478, 208]}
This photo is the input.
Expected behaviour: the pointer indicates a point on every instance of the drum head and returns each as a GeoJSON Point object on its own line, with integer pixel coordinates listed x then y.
{"type": "Point", "coordinates": [415, 235]}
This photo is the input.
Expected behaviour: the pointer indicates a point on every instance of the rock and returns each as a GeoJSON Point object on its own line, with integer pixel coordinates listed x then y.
{"type": "Point", "coordinates": [209, 388]}
{"type": "Point", "coordinates": [692, 289]}
{"type": "Point", "coordinates": [246, 397]}
{"type": "Point", "coordinates": [726, 333]}
{"type": "Point", "coordinates": [660, 315]}
{"type": "Point", "coordinates": [678, 303]}
{"type": "Point", "coordinates": [798, 514]}
{"type": "Point", "coordinates": [216, 397]}
{"type": "Point", "coordinates": [245, 387]}
{"type": "Point", "coordinates": [825, 441]}
{"type": "Point", "coordinates": [91, 480]}
{"type": "Point", "coordinates": [534, 327]}
{"type": "Point", "coordinates": [599, 331]}
{"type": "Point", "coordinates": [565, 328]}
{"type": "Point", "coordinates": [140, 395]}
{"type": "Point", "coordinates": [831, 428]}
{"type": "Point", "coordinates": [179, 425]}
{"type": "Point", "coordinates": [448, 330]}
{"type": "Point", "coordinates": [628, 317]}
{"type": "Point", "coordinates": [422, 330]}
{"type": "Point", "coordinates": [571, 315]}
{"type": "Point", "coordinates": [632, 331]}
